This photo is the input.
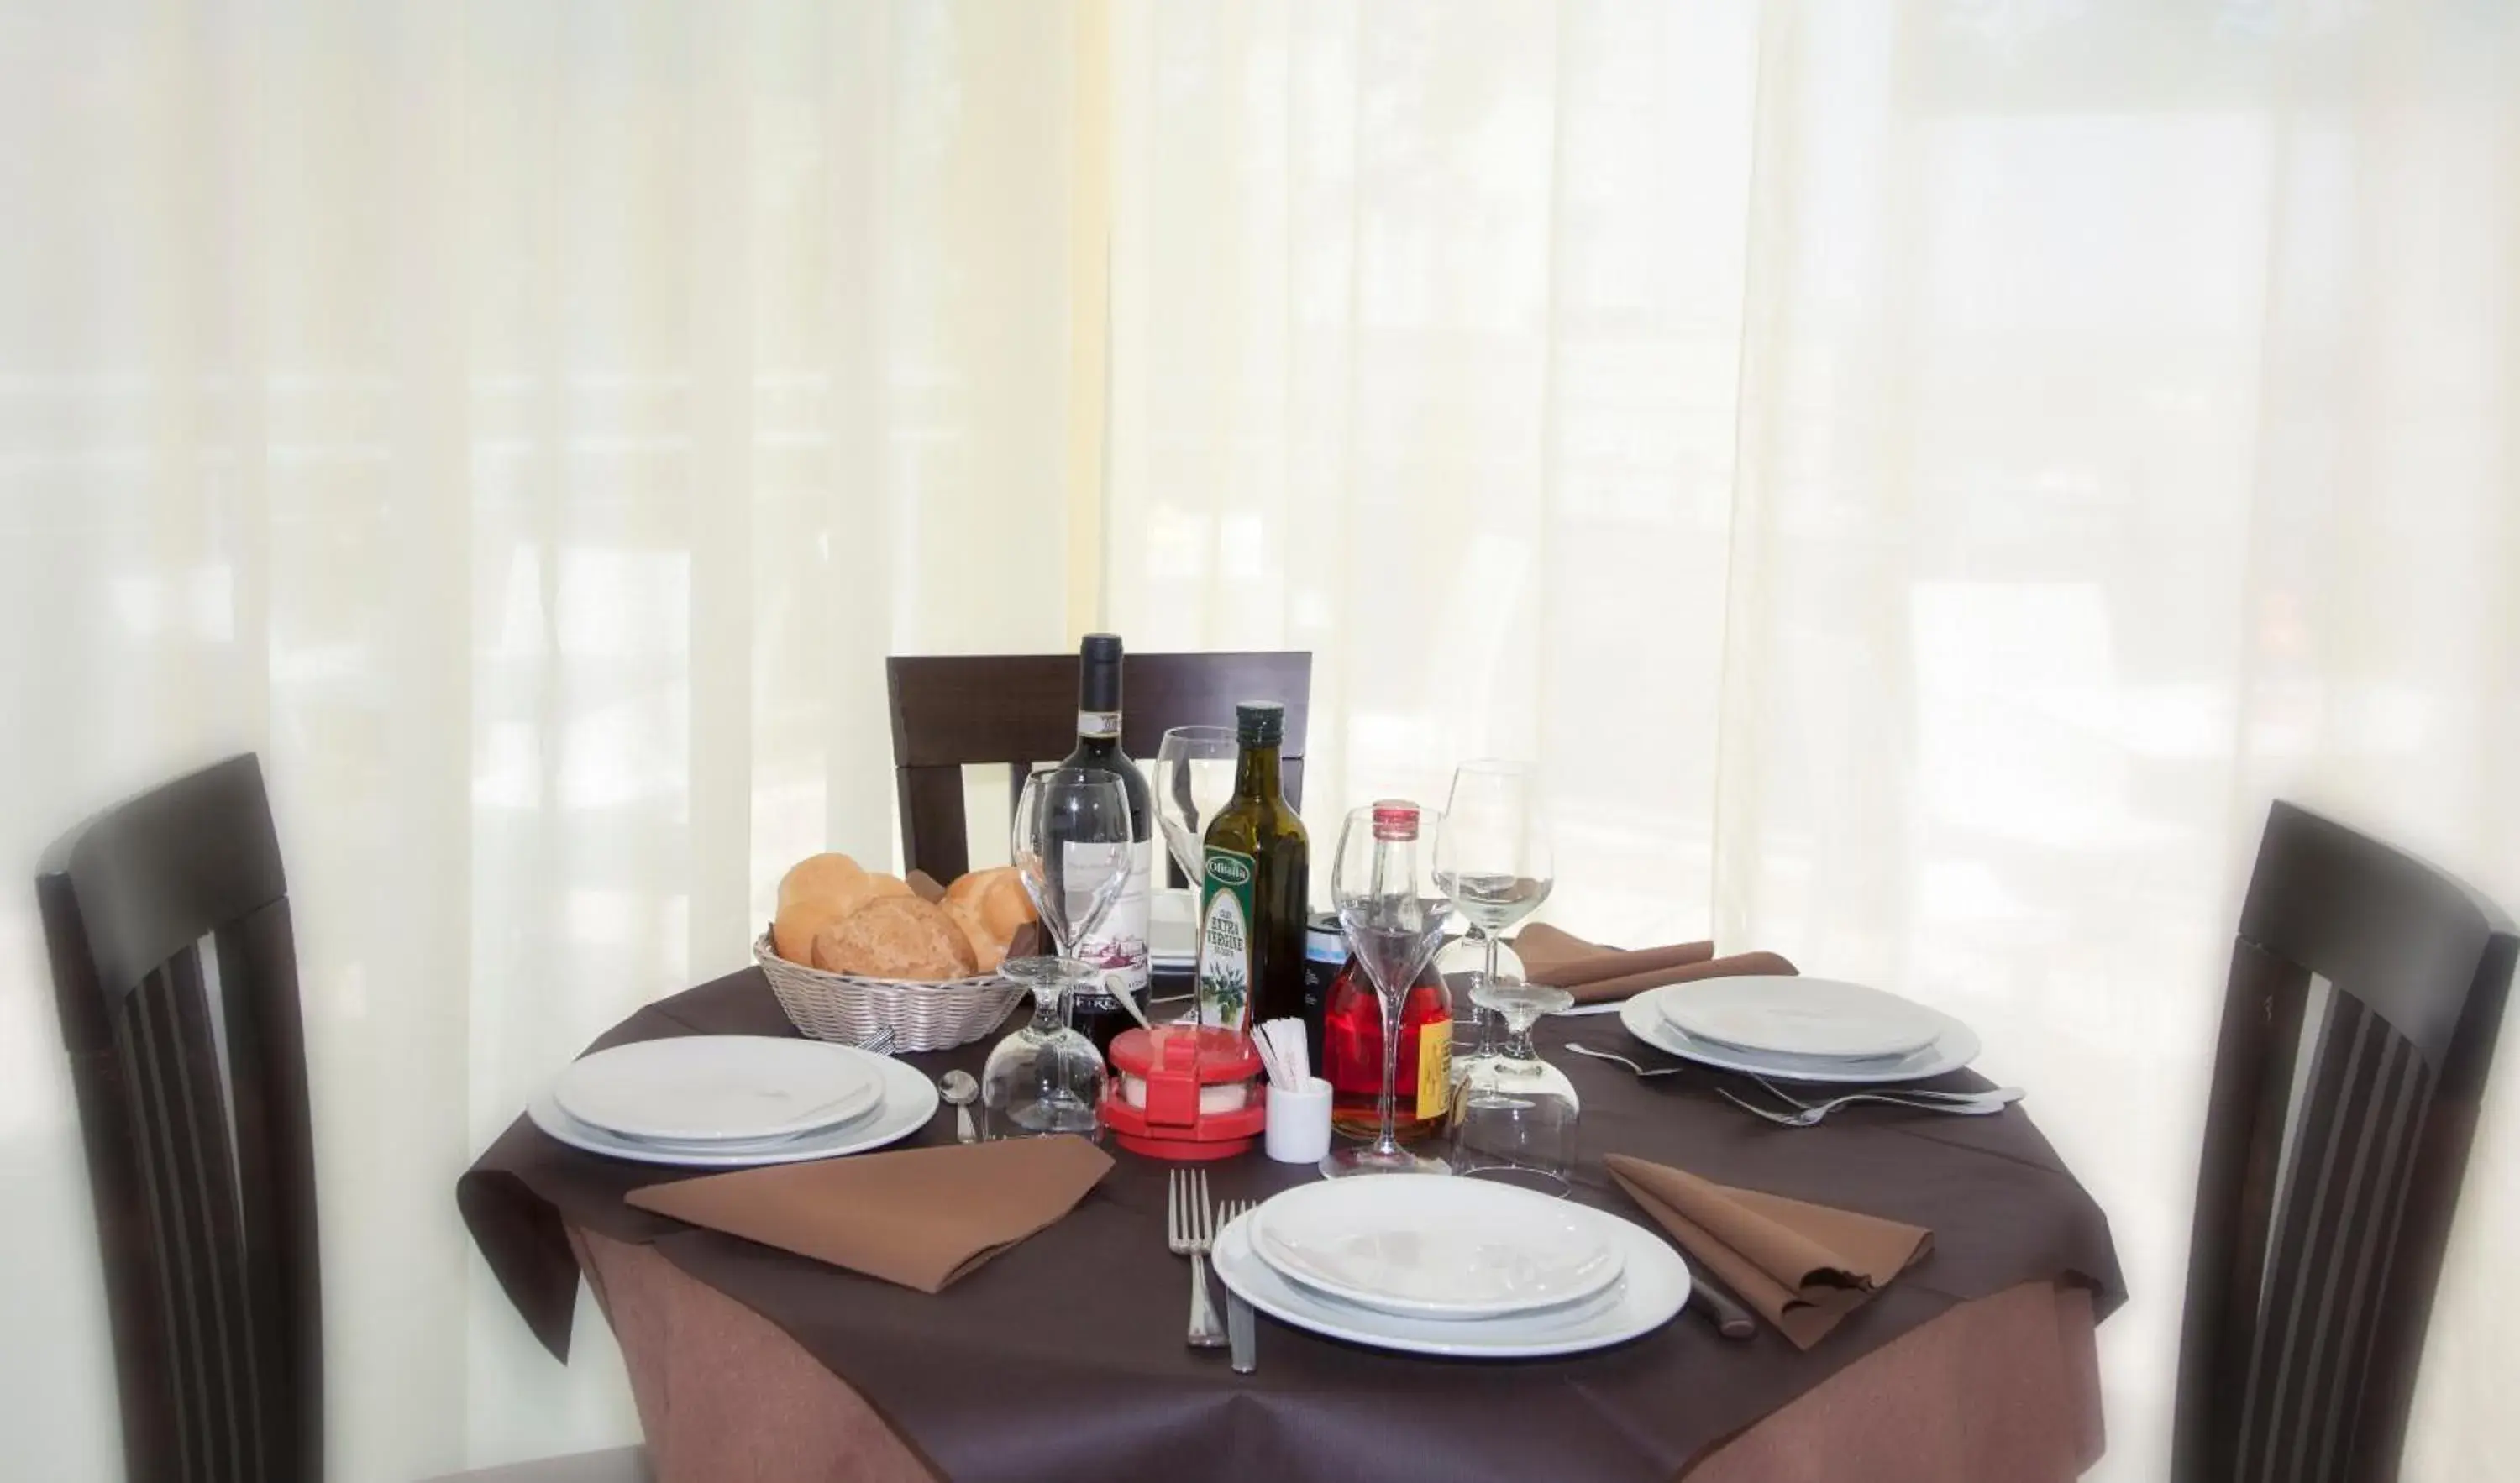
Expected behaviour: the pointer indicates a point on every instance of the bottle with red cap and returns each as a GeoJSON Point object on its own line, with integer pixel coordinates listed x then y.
{"type": "Point", "coordinates": [1351, 1036]}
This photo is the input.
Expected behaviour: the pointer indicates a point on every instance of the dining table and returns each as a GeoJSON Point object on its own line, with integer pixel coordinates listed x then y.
{"type": "Point", "coordinates": [1063, 1357]}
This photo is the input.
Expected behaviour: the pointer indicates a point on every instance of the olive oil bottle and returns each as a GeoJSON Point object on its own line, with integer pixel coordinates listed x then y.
{"type": "Point", "coordinates": [1252, 899]}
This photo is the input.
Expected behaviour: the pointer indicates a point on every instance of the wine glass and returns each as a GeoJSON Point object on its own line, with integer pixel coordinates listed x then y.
{"type": "Point", "coordinates": [1516, 1115]}
{"type": "Point", "coordinates": [1072, 847]}
{"type": "Point", "coordinates": [1493, 859]}
{"type": "Point", "coordinates": [1193, 779]}
{"type": "Point", "coordinates": [1394, 918]}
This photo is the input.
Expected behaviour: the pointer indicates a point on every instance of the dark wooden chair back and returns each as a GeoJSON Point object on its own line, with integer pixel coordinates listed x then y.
{"type": "Point", "coordinates": [2365, 995]}
{"type": "Point", "coordinates": [194, 1118]}
{"type": "Point", "coordinates": [1015, 711]}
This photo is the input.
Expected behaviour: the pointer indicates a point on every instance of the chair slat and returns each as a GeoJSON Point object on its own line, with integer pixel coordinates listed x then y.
{"type": "Point", "coordinates": [150, 1041]}
{"type": "Point", "coordinates": [2396, 1120]}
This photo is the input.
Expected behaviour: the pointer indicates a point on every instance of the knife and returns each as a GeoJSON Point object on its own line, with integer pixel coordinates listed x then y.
{"type": "Point", "coordinates": [1240, 1330]}
{"type": "Point", "coordinates": [1719, 1308]}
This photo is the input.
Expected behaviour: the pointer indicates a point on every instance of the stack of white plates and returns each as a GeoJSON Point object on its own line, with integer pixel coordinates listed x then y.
{"type": "Point", "coordinates": [1801, 1029]}
{"type": "Point", "coordinates": [1458, 1267]}
{"type": "Point", "coordinates": [723, 1100]}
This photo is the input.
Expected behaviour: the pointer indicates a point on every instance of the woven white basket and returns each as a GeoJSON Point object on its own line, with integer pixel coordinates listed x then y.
{"type": "Point", "coordinates": [924, 1016]}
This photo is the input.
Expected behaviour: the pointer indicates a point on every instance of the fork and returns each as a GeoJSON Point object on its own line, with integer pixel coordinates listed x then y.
{"type": "Point", "coordinates": [1621, 1060]}
{"type": "Point", "coordinates": [1806, 1116]}
{"type": "Point", "coordinates": [1190, 1227]}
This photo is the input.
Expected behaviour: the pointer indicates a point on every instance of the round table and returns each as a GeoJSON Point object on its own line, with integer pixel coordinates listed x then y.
{"type": "Point", "coordinates": [1062, 1358]}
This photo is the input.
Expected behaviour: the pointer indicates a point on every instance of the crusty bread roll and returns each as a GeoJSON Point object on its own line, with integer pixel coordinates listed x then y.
{"type": "Point", "coordinates": [1005, 906]}
{"type": "Point", "coordinates": [986, 951]}
{"type": "Point", "coordinates": [879, 885]}
{"type": "Point", "coordinates": [820, 891]}
{"type": "Point", "coordinates": [792, 931]}
{"type": "Point", "coordinates": [895, 937]}
{"type": "Point", "coordinates": [990, 907]}
{"type": "Point", "coordinates": [831, 877]}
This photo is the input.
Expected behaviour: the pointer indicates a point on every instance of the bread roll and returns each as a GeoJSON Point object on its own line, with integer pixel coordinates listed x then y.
{"type": "Point", "coordinates": [896, 937]}
{"type": "Point", "coordinates": [986, 951]}
{"type": "Point", "coordinates": [792, 933]}
{"type": "Point", "coordinates": [879, 885]}
{"type": "Point", "coordinates": [831, 878]}
{"type": "Point", "coordinates": [996, 897]}
{"type": "Point", "coordinates": [990, 907]}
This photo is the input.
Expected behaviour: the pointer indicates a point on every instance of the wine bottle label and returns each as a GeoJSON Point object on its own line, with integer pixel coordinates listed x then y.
{"type": "Point", "coordinates": [1095, 725]}
{"type": "Point", "coordinates": [1119, 944]}
{"type": "Point", "coordinates": [1225, 940]}
{"type": "Point", "coordinates": [1434, 1067]}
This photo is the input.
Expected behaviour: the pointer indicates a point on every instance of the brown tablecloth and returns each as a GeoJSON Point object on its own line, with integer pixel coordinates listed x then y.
{"type": "Point", "coordinates": [1062, 1359]}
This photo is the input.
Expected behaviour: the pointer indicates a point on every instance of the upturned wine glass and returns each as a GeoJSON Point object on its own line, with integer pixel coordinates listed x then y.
{"type": "Point", "coordinates": [1071, 845]}
{"type": "Point", "coordinates": [1383, 884]}
{"type": "Point", "coordinates": [1194, 778]}
{"type": "Point", "coordinates": [1494, 860]}
{"type": "Point", "coordinates": [1515, 1116]}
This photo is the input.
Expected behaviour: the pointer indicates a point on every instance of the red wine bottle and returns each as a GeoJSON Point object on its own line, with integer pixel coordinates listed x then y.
{"type": "Point", "coordinates": [1119, 944]}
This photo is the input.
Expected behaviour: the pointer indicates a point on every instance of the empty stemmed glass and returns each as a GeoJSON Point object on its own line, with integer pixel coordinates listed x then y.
{"type": "Point", "coordinates": [1383, 884]}
{"type": "Point", "coordinates": [1515, 1116]}
{"type": "Point", "coordinates": [1194, 778]}
{"type": "Point", "coordinates": [1072, 847]}
{"type": "Point", "coordinates": [1493, 859]}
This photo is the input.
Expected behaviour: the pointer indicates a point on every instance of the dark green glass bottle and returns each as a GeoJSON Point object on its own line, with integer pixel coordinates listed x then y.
{"type": "Point", "coordinates": [1252, 901]}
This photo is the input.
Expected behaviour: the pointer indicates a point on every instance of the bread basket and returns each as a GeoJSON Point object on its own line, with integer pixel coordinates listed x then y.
{"type": "Point", "coordinates": [923, 1015]}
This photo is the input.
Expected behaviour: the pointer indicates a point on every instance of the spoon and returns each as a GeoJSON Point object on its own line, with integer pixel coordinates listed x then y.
{"type": "Point", "coordinates": [961, 1091]}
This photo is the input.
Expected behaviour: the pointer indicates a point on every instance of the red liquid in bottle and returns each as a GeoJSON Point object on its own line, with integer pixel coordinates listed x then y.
{"type": "Point", "coordinates": [1352, 1055]}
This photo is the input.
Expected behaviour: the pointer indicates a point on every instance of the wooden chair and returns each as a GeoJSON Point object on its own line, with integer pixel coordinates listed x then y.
{"type": "Point", "coordinates": [1018, 710]}
{"type": "Point", "coordinates": [195, 1115]}
{"type": "Point", "coordinates": [2365, 995]}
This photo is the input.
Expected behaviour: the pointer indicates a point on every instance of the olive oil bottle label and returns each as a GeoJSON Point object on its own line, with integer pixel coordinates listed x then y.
{"type": "Point", "coordinates": [1434, 1066]}
{"type": "Point", "coordinates": [1225, 940]}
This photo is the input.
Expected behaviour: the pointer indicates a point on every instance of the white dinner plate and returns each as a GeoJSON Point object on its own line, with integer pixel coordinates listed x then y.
{"type": "Point", "coordinates": [1953, 1049]}
{"type": "Point", "coordinates": [1649, 1292]}
{"type": "Point", "coordinates": [1440, 1248]}
{"type": "Point", "coordinates": [1786, 1015]}
{"type": "Point", "coordinates": [906, 1100]}
{"type": "Point", "coordinates": [696, 1088]}
{"type": "Point", "coordinates": [753, 1144]}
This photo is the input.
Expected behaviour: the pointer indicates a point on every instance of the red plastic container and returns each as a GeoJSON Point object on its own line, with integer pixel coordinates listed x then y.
{"type": "Point", "coordinates": [1184, 1093]}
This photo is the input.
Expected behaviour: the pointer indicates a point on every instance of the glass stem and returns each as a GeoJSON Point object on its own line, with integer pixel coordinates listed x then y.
{"type": "Point", "coordinates": [1049, 1009]}
{"type": "Point", "coordinates": [1487, 1018]}
{"type": "Point", "coordinates": [1049, 1017]}
{"type": "Point", "coordinates": [1389, 1141]}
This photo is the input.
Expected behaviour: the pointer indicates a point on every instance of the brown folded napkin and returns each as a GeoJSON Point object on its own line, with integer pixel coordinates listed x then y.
{"type": "Point", "coordinates": [920, 1218]}
{"type": "Point", "coordinates": [1802, 1266]}
{"type": "Point", "coordinates": [1597, 974]}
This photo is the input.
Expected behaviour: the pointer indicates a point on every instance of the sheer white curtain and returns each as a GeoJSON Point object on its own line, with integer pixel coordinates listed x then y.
{"type": "Point", "coordinates": [1920, 476]}
{"type": "Point", "coordinates": [529, 425]}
